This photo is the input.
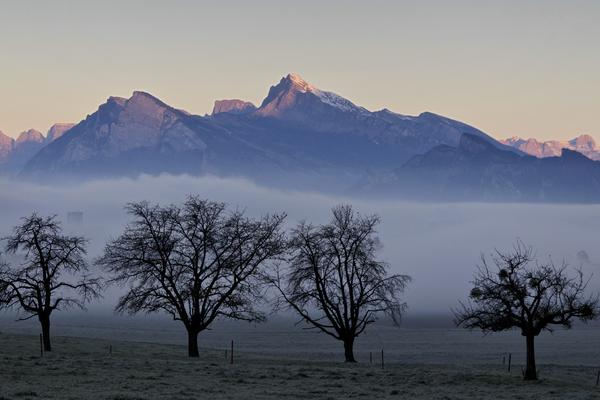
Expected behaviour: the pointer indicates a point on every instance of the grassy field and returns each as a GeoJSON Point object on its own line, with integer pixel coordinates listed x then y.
{"type": "Point", "coordinates": [82, 368]}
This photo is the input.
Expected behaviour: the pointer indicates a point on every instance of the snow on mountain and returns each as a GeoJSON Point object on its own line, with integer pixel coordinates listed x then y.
{"type": "Point", "coordinates": [293, 91]}
{"type": "Point", "coordinates": [583, 144]}
{"type": "Point", "coordinates": [302, 137]}
{"type": "Point", "coordinates": [312, 134]}
{"type": "Point", "coordinates": [329, 98]}
{"type": "Point", "coordinates": [336, 101]}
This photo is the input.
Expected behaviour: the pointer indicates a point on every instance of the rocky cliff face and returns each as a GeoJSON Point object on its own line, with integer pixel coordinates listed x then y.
{"type": "Point", "coordinates": [121, 128]}
{"type": "Point", "coordinates": [298, 128]}
{"type": "Point", "coordinates": [302, 137]}
{"type": "Point", "coordinates": [234, 106]}
{"type": "Point", "coordinates": [293, 95]}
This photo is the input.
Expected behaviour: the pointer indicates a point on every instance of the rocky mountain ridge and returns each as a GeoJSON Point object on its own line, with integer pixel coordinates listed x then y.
{"type": "Point", "coordinates": [302, 137]}
{"type": "Point", "coordinates": [584, 144]}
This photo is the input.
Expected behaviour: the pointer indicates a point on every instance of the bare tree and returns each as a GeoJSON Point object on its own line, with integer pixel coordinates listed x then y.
{"type": "Point", "coordinates": [335, 283]}
{"type": "Point", "coordinates": [52, 275]}
{"type": "Point", "coordinates": [195, 262]}
{"type": "Point", "coordinates": [519, 293]}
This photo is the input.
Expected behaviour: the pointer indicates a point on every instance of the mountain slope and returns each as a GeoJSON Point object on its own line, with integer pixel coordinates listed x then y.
{"type": "Point", "coordinates": [324, 129]}
{"type": "Point", "coordinates": [57, 130]}
{"type": "Point", "coordinates": [28, 143]}
{"type": "Point", "coordinates": [476, 170]}
{"type": "Point", "coordinates": [126, 137]}
{"type": "Point", "coordinates": [299, 104]}
{"type": "Point", "coordinates": [15, 153]}
{"type": "Point", "coordinates": [302, 137]}
{"type": "Point", "coordinates": [299, 137]}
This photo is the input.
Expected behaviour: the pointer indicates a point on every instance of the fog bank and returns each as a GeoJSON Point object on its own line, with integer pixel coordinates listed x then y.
{"type": "Point", "coordinates": [439, 245]}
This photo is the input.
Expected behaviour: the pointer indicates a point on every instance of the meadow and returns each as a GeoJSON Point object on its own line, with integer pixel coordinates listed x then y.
{"type": "Point", "coordinates": [276, 361]}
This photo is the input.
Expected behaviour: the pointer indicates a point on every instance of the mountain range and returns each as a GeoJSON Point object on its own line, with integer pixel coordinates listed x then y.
{"type": "Point", "coordinates": [583, 144]}
{"type": "Point", "coordinates": [479, 171]}
{"type": "Point", "coordinates": [300, 137]}
{"type": "Point", "coordinates": [15, 153]}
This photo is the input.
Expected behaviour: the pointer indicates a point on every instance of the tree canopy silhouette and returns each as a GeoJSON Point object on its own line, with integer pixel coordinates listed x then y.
{"type": "Point", "coordinates": [335, 282]}
{"type": "Point", "coordinates": [52, 274]}
{"type": "Point", "coordinates": [519, 293]}
{"type": "Point", "coordinates": [195, 262]}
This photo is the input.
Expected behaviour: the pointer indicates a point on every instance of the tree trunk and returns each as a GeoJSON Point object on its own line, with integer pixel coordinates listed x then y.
{"type": "Point", "coordinates": [193, 344]}
{"type": "Point", "coordinates": [530, 370]}
{"type": "Point", "coordinates": [349, 350]}
{"type": "Point", "coordinates": [45, 322]}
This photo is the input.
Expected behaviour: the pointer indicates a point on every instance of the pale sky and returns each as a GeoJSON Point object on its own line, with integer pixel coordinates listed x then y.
{"type": "Point", "coordinates": [527, 68]}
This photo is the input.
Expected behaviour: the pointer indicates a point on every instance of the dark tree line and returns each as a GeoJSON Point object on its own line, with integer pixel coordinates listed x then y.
{"type": "Point", "coordinates": [200, 261]}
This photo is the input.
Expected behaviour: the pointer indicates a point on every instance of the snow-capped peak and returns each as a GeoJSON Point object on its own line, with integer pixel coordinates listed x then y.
{"type": "Point", "coordinates": [300, 83]}
{"type": "Point", "coordinates": [583, 144]}
{"type": "Point", "coordinates": [337, 101]}
{"type": "Point", "coordinates": [329, 98]}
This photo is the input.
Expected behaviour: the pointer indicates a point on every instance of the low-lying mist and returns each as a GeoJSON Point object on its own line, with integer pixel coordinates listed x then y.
{"type": "Point", "coordinates": [439, 245]}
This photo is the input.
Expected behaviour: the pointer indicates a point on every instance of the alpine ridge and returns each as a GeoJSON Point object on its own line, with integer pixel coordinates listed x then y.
{"type": "Point", "coordinates": [583, 144]}
{"type": "Point", "coordinates": [301, 137]}
{"type": "Point", "coordinates": [478, 171]}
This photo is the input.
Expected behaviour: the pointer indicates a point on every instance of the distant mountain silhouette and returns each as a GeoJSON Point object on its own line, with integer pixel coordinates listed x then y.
{"type": "Point", "coordinates": [28, 143]}
{"type": "Point", "coordinates": [6, 146]}
{"type": "Point", "coordinates": [233, 106]}
{"type": "Point", "coordinates": [57, 130]}
{"type": "Point", "coordinates": [302, 137]}
{"type": "Point", "coordinates": [126, 137]}
{"type": "Point", "coordinates": [584, 144]}
{"type": "Point", "coordinates": [14, 154]}
{"type": "Point", "coordinates": [476, 170]}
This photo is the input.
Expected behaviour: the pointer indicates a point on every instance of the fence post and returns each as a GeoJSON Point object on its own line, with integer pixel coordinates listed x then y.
{"type": "Point", "coordinates": [370, 357]}
{"type": "Point", "coordinates": [231, 361]}
{"type": "Point", "coordinates": [598, 378]}
{"type": "Point", "coordinates": [382, 364]}
{"type": "Point", "coordinates": [41, 346]}
{"type": "Point", "coordinates": [509, 360]}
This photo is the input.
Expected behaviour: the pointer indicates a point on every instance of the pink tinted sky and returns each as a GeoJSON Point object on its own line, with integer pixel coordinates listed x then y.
{"type": "Point", "coordinates": [527, 68]}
